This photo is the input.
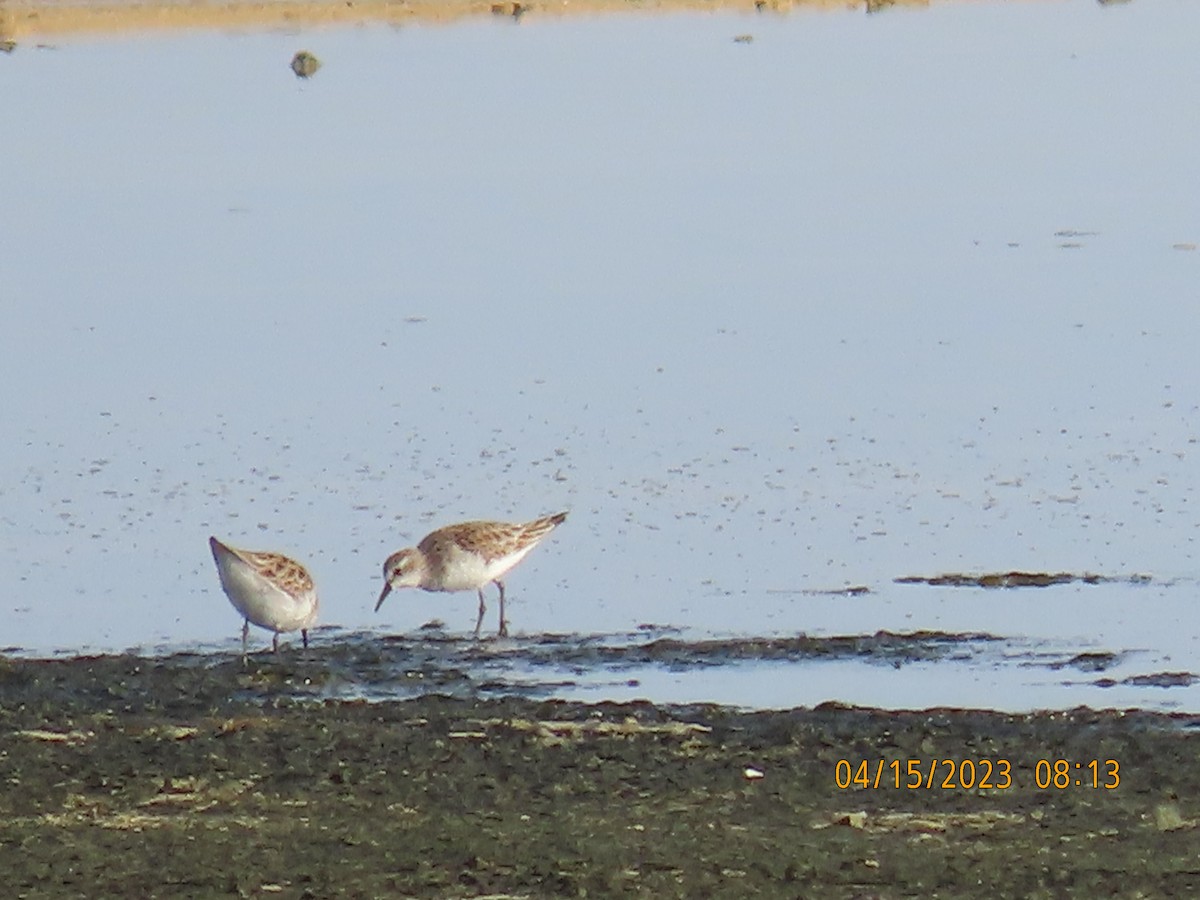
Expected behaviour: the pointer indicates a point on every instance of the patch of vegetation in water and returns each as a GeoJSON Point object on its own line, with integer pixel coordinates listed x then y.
{"type": "Point", "coordinates": [1018, 579]}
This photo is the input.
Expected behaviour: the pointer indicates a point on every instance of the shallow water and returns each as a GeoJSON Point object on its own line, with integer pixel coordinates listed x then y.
{"type": "Point", "coordinates": [865, 298]}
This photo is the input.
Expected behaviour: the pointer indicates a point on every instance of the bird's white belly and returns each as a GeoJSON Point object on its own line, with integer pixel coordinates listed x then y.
{"type": "Point", "coordinates": [261, 602]}
{"type": "Point", "coordinates": [467, 571]}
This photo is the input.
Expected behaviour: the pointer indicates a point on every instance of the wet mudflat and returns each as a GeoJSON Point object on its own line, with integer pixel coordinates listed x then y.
{"type": "Point", "coordinates": [189, 776]}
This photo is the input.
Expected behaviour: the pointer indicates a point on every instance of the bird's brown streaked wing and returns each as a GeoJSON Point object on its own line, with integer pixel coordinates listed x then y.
{"type": "Point", "coordinates": [284, 571]}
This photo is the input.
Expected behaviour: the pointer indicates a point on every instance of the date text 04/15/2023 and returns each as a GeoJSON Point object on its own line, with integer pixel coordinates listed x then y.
{"type": "Point", "coordinates": [971, 774]}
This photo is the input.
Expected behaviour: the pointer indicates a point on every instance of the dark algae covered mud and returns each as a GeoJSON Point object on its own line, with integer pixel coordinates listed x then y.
{"type": "Point", "coordinates": [193, 777]}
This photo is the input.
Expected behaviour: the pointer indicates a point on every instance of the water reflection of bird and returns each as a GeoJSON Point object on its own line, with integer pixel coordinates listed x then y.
{"type": "Point", "coordinates": [466, 557]}
{"type": "Point", "coordinates": [268, 589]}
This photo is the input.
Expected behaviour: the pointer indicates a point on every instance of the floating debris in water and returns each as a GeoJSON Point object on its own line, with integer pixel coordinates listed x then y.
{"type": "Point", "coordinates": [305, 64]}
{"type": "Point", "coordinates": [850, 590]}
{"type": "Point", "coordinates": [1094, 661]}
{"type": "Point", "coordinates": [1020, 579]}
{"type": "Point", "coordinates": [1158, 679]}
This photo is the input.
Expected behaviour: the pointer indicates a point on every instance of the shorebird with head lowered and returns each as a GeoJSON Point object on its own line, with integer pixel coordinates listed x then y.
{"type": "Point", "coordinates": [268, 589]}
{"type": "Point", "coordinates": [466, 557]}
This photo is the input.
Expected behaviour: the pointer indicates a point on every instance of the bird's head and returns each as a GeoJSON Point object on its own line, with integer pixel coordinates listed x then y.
{"type": "Point", "coordinates": [402, 569]}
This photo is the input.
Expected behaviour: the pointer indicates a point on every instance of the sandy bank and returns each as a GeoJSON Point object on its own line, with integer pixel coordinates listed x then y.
{"type": "Point", "coordinates": [41, 20]}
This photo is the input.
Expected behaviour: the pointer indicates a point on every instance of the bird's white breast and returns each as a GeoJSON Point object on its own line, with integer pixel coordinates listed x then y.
{"type": "Point", "coordinates": [261, 600]}
{"type": "Point", "coordinates": [465, 571]}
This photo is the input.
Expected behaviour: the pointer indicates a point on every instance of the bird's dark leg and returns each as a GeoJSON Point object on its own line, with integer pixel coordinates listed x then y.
{"type": "Point", "coordinates": [503, 621]}
{"type": "Point", "coordinates": [482, 610]}
{"type": "Point", "coordinates": [304, 637]}
{"type": "Point", "coordinates": [245, 637]}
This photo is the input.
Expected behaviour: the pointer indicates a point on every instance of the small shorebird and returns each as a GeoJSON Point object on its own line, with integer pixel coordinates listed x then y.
{"type": "Point", "coordinates": [465, 557]}
{"type": "Point", "coordinates": [268, 589]}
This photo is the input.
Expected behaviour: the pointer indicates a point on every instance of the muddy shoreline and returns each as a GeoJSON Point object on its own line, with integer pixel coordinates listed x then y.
{"type": "Point", "coordinates": [39, 20]}
{"type": "Point", "coordinates": [161, 777]}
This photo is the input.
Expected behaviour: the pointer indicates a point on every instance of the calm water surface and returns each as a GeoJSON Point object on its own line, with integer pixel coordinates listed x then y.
{"type": "Point", "coordinates": [868, 297]}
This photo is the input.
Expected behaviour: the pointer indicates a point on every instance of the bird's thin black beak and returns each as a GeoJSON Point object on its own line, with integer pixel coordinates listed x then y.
{"type": "Point", "coordinates": [387, 589]}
